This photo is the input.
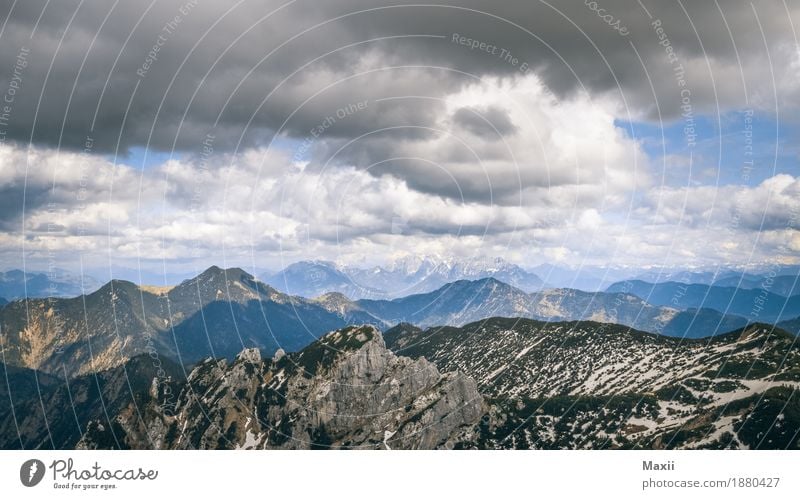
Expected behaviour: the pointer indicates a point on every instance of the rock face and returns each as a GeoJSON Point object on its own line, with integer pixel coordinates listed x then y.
{"type": "Point", "coordinates": [46, 412]}
{"type": "Point", "coordinates": [346, 390]}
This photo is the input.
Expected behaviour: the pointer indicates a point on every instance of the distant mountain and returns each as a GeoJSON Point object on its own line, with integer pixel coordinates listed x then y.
{"type": "Point", "coordinates": [590, 385]}
{"type": "Point", "coordinates": [414, 275]}
{"type": "Point", "coordinates": [16, 284]}
{"type": "Point", "coordinates": [683, 276]}
{"type": "Point", "coordinates": [216, 313]}
{"type": "Point", "coordinates": [755, 304]}
{"type": "Point", "coordinates": [315, 278]}
{"type": "Point", "coordinates": [457, 303]}
{"type": "Point", "coordinates": [792, 325]}
{"type": "Point", "coordinates": [462, 302]}
{"type": "Point", "coordinates": [783, 285]}
{"type": "Point", "coordinates": [585, 278]}
{"type": "Point", "coordinates": [402, 277]}
{"type": "Point", "coordinates": [780, 281]}
{"type": "Point", "coordinates": [347, 309]}
{"type": "Point", "coordinates": [3, 301]}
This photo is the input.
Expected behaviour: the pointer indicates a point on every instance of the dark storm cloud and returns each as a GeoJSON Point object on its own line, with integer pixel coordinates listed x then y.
{"type": "Point", "coordinates": [219, 69]}
{"type": "Point", "coordinates": [491, 123]}
{"type": "Point", "coordinates": [11, 204]}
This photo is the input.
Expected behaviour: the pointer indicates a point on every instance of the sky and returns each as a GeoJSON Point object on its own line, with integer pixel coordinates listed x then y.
{"type": "Point", "coordinates": [178, 134]}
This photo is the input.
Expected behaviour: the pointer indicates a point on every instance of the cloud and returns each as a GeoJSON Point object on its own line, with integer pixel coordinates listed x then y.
{"type": "Point", "coordinates": [164, 75]}
{"type": "Point", "coordinates": [490, 123]}
{"type": "Point", "coordinates": [191, 213]}
{"type": "Point", "coordinates": [774, 204]}
{"type": "Point", "coordinates": [571, 146]}
{"type": "Point", "coordinates": [358, 129]}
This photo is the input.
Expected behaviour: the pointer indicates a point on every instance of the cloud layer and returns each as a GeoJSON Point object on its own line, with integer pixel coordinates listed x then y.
{"type": "Point", "coordinates": [165, 73]}
{"type": "Point", "coordinates": [357, 130]}
{"type": "Point", "coordinates": [188, 213]}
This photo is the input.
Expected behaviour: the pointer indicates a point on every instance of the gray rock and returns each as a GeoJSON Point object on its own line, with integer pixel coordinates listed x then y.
{"type": "Point", "coordinates": [346, 390]}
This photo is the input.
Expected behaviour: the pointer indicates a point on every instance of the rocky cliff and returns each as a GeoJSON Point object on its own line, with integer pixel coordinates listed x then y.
{"type": "Point", "coordinates": [346, 390]}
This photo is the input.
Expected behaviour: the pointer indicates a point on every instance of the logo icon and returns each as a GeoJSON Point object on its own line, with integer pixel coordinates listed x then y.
{"type": "Point", "coordinates": [31, 472]}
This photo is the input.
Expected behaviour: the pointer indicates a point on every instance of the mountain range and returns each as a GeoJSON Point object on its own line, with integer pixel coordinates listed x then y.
{"type": "Point", "coordinates": [592, 385]}
{"type": "Point", "coordinates": [220, 312]}
{"type": "Point", "coordinates": [758, 304]}
{"type": "Point", "coordinates": [780, 279]}
{"type": "Point", "coordinates": [316, 278]}
{"type": "Point", "coordinates": [346, 390]}
{"type": "Point", "coordinates": [217, 313]}
{"type": "Point", "coordinates": [17, 284]}
{"type": "Point", "coordinates": [461, 302]}
{"type": "Point", "coordinates": [792, 325]}
{"type": "Point", "coordinates": [403, 277]}
{"type": "Point", "coordinates": [494, 384]}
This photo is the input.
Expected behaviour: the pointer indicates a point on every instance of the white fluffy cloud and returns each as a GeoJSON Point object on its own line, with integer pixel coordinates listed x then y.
{"type": "Point", "coordinates": [183, 212]}
{"type": "Point", "coordinates": [510, 170]}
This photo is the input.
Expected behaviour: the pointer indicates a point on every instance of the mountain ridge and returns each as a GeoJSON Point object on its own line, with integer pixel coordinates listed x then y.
{"type": "Point", "coordinates": [218, 313]}
{"type": "Point", "coordinates": [758, 303]}
{"type": "Point", "coordinates": [590, 385]}
{"type": "Point", "coordinates": [462, 302]}
{"type": "Point", "coordinates": [402, 277]}
{"type": "Point", "coordinates": [357, 388]}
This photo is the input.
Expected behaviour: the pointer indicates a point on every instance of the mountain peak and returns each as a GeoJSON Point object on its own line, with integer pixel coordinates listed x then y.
{"type": "Point", "coordinates": [215, 283]}
{"type": "Point", "coordinates": [333, 296]}
{"type": "Point", "coordinates": [353, 337]}
{"type": "Point", "coordinates": [232, 273]}
{"type": "Point", "coordinates": [334, 346]}
{"type": "Point", "coordinates": [491, 280]}
{"type": "Point", "coordinates": [477, 284]}
{"type": "Point", "coordinates": [117, 285]}
{"type": "Point", "coordinates": [758, 330]}
{"type": "Point", "coordinates": [219, 277]}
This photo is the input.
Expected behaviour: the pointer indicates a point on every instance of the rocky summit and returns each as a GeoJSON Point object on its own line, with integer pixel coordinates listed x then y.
{"type": "Point", "coordinates": [346, 390]}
